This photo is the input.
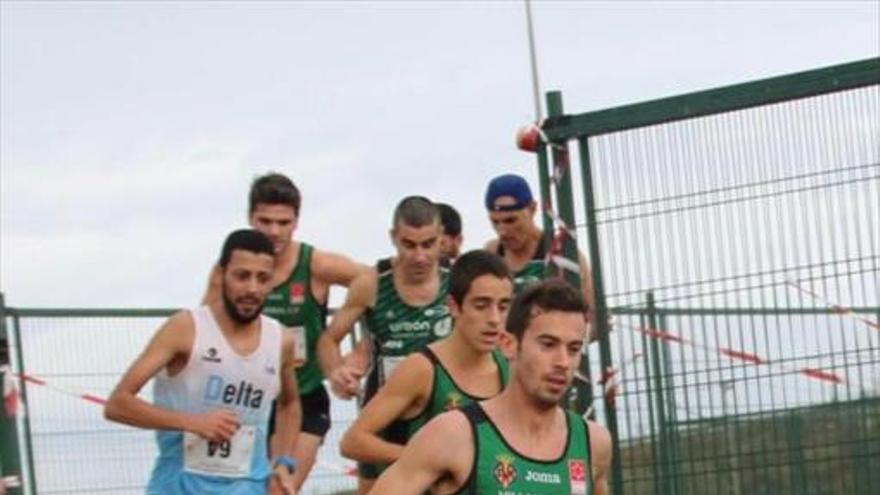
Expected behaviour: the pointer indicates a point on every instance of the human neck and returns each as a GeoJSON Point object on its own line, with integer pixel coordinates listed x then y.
{"type": "Point", "coordinates": [408, 279]}
{"type": "Point", "coordinates": [525, 414]}
{"type": "Point", "coordinates": [528, 248]}
{"type": "Point", "coordinates": [227, 324]}
{"type": "Point", "coordinates": [462, 353]}
{"type": "Point", "coordinates": [285, 260]}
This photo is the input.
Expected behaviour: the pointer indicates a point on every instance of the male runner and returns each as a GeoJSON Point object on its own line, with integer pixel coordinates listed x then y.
{"type": "Point", "coordinates": [450, 238]}
{"type": "Point", "coordinates": [405, 308]}
{"type": "Point", "coordinates": [520, 441]}
{"type": "Point", "coordinates": [452, 372]}
{"type": "Point", "coordinates": [520, 242]}
{"type": "Point", "coordinates": [218, 368]}
{"type": "Point", "coordinates": [301, 284]}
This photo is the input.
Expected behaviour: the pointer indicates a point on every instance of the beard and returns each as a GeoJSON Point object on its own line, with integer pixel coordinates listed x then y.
{"type": "Point", "coordinates": [236, 315]}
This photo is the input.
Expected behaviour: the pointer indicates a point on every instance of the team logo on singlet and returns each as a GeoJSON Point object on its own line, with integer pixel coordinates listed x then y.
{"type": "Point", "coordinates": [211, 355]}
{"type": "Point", "coordinates": [453, 400]}
{"type": "Point", "coordinates": [505, 471]}
{"type": "Point", "coordinates": [443, 327]}
{"type": "Point", "coordinates": [297, 293]}
{"type": "Point", "coordinates": [269, 368]}
{"type": "Point", "coordinates": [241, 394]}
{"type": "Point", "coordinates": [577, 471]}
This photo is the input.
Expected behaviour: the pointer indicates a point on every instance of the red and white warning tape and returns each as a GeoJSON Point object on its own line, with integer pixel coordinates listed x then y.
{"type": "Point", "coordinates": [609, 381]}
{"type": "Point", "coordinates": [61, 390]}
{"type": "Point", "coordinates": [337, 468]}
{"type": "Point", "coordinates": [842, 310]}
{"type": "Point", "coordinates": [746, 357]}
{"type": "Point", "coordinates": [10, 482]}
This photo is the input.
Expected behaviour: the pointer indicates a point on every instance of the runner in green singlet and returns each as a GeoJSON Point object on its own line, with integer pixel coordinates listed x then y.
{"type": "Point", "coordinates": [301, 280]}
{"type": "Point", "coordinates": [405, 309]}
{"type": "Point", "coordinates": [460, 369]}
{"type": "Point", "coordinates": [520, 442]}
{"type": "Point", "coordinates": [520, 242]}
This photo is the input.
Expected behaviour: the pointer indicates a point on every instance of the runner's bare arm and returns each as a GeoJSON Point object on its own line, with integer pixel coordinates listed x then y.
{"type": "Point", "coordinates": [600, 454]}
{"type": "Point", "coordinates": [172, 342]}
{"type": "Point", "coordinates": [402, 396]}
{"type": "Point", "coordinates": [442, 450]}
{"type": "Point", "coordinates": [335, 269]}
{"type": "Point", "coordinates": [288, 417]}
{"type": "Point", "coordinates": [288, 412]}
{"type": "Point", "coordinates": [344, 378]}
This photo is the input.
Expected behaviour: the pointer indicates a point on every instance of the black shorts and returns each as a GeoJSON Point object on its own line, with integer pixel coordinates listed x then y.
{"type": "Point", "coordinates": [315, 413]}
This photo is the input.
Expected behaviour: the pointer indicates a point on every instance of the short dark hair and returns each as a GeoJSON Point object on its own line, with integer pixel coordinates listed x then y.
{"type": "Point", "coordinates": [548, 295]}
{"type": "Point", "coordinates": [415, 211]}
{"type": "Point", "coordinates": [471, 265]}
{"type": "Point", "coordinates": [246, 240]}
{"type": "Point", "coordinates": [274, 189]}
{"type": "Point", "coordinates": [450, 219]}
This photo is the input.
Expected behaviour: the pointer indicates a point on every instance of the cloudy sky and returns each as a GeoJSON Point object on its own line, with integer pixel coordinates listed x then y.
{"type": "Point", "coordinates": [129, 131]}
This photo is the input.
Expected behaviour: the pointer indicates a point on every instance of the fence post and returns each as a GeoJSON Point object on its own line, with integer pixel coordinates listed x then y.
{"type": "Point", "coordinates": [10, 457]}
{"type": "Point", "coordinates": [663, 485]}
{"type": "Point", "coordinates": [670, 407]}
{"type": "Point", "coordinates": [600, 313]}
{"type": "Point", "coordinates": [793, 436]}
{"type": "Point", "coordinates": [565, 208]}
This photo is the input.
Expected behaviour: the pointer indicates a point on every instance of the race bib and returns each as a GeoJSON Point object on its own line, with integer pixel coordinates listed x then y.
{"type": "Point", "coordinates": [229, 458]}
{"type": "Point", "coordinates": [389, 363]}
{"type": "Point", "coordinates": [300, 352]}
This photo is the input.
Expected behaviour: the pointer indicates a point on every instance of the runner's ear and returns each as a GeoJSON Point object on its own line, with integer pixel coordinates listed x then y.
{"type": "Point", "coordinates": [507, 344]}
{"type": "Point", "coordinates": [454, 308]}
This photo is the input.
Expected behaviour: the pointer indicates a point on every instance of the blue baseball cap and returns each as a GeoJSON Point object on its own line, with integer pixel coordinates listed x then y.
{"type": "Point", "coordinates": [508, 185]}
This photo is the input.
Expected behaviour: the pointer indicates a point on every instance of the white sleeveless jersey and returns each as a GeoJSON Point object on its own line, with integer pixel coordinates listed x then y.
{"type": "Point", "coordinates": [216, 377]}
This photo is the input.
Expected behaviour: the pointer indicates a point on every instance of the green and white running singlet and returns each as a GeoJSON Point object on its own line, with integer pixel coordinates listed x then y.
{"type": "Point", "coordinates": [534, 271]}
{"type": "Point", "coordinates": [446, 394]}
{"type": "Point", "coordinates": [293, 304]}
{"type": "Point", "coordinates": [398, 329]}
{"type": "Point", "coordinates": [500, 470]}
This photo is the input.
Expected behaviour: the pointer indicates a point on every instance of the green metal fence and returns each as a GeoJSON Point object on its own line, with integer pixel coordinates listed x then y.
{"type": "Point", "coordinates": [736, 234]}
{"type": "Point", "coordinates": [67, 447]}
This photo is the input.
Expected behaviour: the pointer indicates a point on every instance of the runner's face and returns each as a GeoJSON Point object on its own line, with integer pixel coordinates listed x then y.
{"type": "Point", "coordinates": [247, 280]}
{"type": "Point", "coordinates": [418, 248]}
{"type": "Point", "coordinates": [480, 318]}
{"type": "Point", "coordinates": [548, 355]}
{"type": "Point", "coordinates": [450, 246]}
{"type": "Point", "coordinates": [277, 221]}
{"type": "Point", "coordinates": [513, 227]}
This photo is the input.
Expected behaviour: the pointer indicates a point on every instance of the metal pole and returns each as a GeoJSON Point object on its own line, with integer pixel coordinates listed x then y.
{"type": "Point", "coordinates": [10, 455]}
{"type": "Point", "coordinates": [533, 58]}
{"type": "Point", "coordinates": [727, 386]}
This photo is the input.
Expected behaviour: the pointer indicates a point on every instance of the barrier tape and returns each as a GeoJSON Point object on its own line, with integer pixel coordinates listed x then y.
{"type": "Point", "coordinates": [841, 310]}
{"type": "Point", "coordinates": [43, 383]}
{"type": "Point", "coordinates": [10, 482]}
{"type": "Point", "coordinates": [608, 381]}
{"type": "Point", "coordinates": [746, 357]}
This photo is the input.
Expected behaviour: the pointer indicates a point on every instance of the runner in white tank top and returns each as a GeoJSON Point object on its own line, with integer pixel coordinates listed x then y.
{"type": "Point", "coordinates": [217, 369]}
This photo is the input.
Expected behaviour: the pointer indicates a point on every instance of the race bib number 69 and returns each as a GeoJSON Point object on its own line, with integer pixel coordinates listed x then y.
{"type": "Point", "coordinates": [229, 458]}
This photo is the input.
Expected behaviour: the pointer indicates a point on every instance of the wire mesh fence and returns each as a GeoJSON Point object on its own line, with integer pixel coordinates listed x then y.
{"type": "Point", "coordinates": [740, 252]}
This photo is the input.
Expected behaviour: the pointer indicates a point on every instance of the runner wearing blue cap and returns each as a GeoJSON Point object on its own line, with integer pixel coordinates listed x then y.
{"type": "Point", "coordinates": [520, 242]}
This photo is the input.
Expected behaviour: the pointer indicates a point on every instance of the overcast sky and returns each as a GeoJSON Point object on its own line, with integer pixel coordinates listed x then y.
{"type": "Point", "coordinates": [130, 131]}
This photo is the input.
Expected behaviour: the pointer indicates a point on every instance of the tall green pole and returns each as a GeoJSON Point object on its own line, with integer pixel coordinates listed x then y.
{"type": "Point", "coordinates": [565, 209]}
{"type": "Point", "coordinates": [600, 313]}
